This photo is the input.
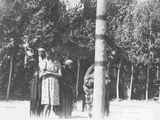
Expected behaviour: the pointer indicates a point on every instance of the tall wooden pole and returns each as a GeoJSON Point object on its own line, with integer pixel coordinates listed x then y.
{"type": "Point", "coordinates": [147, 83]}
{"type": "Point", "coordinates": [99, 74]}
{"type": "Point", "coordinates": [118, 80]}
{"type": "Point", "coordinates": [131, 83]}
{"type": "Point", "coordinates": [10, 78]}
{"type": "Point", "coordinates": [78, 72]}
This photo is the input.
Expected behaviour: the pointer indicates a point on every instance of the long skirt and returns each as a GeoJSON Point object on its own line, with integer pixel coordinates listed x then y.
{"type": "Point", "coordinates": [67, 102]}
{"type": "Point", "coordinates": [50, 91]}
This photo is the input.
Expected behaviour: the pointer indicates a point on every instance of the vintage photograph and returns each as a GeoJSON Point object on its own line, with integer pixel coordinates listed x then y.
{"type": "Point", "coordinates": [79, 59]}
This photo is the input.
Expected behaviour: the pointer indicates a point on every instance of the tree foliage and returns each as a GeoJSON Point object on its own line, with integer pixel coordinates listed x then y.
{"type": "Point", "coordinates": [133, 33]}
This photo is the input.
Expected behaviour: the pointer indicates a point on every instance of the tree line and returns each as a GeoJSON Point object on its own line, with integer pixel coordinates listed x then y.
{"type": "Point", "coordinates": [132, 26]}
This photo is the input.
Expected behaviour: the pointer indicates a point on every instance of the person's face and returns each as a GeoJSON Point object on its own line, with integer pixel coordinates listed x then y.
{"type": "Point", "coordinates": [69, 66]}
{"type": "Point", "coordinates": [42, 54]}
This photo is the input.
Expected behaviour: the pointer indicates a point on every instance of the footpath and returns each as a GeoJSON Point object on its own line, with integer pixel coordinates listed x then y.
{"type": "Point", "coordinates": [119, 110]}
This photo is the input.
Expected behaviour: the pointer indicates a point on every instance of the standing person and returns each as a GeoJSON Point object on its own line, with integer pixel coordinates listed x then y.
{"type": "Point", "coordinates": [67, 89]}
{"type": "Point", "coordinates": [35, 105]}
{"type": "Point", "coordinates": [88, 87]}
{"type": "Point", "coordinates": [50, 72]}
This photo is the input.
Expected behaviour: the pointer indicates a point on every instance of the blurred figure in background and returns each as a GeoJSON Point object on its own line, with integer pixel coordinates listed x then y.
{"type": "Point", "coordinates": [88, 87]}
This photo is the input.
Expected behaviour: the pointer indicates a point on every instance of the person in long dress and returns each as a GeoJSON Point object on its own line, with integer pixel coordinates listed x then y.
{"type": "Point", "coordinates": [67, 89]}
{"type": "Point", "coordinates": [50, 72]}
{"type": "Point", "coordinates": [35, 103]}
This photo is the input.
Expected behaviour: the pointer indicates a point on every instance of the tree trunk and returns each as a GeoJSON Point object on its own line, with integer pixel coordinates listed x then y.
{"type": "Point", "coordinates": [131, 83]}
{"type": "Point", "coordinates": [158, 82]}
{"type": "Point", "coordinates": [99, 74]}
{"type": "Point", "coordinates": [78, 72]}
{"type": "Point", "coordinates": [118, 79]}
{"type": "Point", "coordinates": [147, 83]}
{"type": "Point", "coordinates": [157, 72]}
{"type": "Point", "coordinates": [10, 78]}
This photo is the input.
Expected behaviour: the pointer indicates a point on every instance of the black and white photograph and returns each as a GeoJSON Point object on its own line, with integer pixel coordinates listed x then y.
{"type": "Point", "coordinates": [80, 59]}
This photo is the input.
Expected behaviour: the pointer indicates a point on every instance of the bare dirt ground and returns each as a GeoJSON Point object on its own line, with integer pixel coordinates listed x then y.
{"type": "Point", "coordinates": [119, 110]}
{"type": "Point", "coordinates": [134, 110]}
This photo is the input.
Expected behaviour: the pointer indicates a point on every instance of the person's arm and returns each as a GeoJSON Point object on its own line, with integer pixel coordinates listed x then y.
{"type": "Point", "coordinates": [42, 73]}
{"type": "Point", "coordinates": [57, 74]}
